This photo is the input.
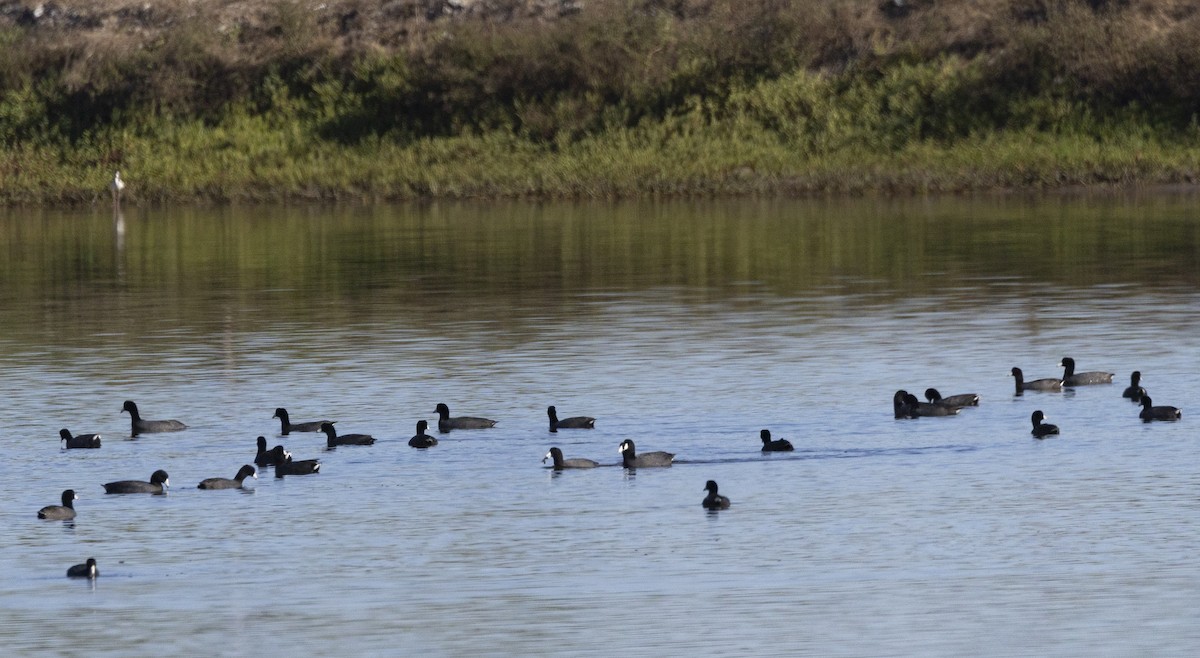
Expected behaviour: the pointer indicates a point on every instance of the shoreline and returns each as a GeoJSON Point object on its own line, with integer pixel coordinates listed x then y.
{"type": "Point", "coordinates": [228, 166]}
{"type": "Point", "coordinates": [1069, 192]}
{"type": "Point", "coordinates": [102, 200]}
{"type": "Point", "coordinates": [715, 189]}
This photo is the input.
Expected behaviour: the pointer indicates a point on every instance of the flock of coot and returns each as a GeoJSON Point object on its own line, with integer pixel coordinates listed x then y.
{"type": "Point", "coordinates": [284, 464]}
{"type": "Point", "coordinates": [904, 405]}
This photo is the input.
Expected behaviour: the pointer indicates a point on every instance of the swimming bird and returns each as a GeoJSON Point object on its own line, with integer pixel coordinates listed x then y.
{"type": "Point", "coordinates": [224, 483]}
{"type": "Point", "coordinates": [714, 500]}
{"type": "Point", "coordinates": [778, 445]}
{"type": "Point", "coordinates": [285, 466]}
{"type": "Point", "coordinates": [147, 426]}
{"type": "Point", "coordinates": [630, 458]}
{"type": "Point", "coordinates": [421, 439]}
{"type": "Point", "coordinates": [116, 185]}
{"type": "Point", "coordinates": [158, 484]}
{"type": "Point", "coordinates": [78, 441]}
{"type": "Point", "coordinates": [446, 423]}
{"type": "Point", "coordinates": [1164, 412]}
{"type": "Point", "coordinates": [264, 457]}
{"type": "Point", "coordinates": [332, 440]}
{"type": "Point", "coordinates": [87, 570]}
{"type": "Point", "coordinates": [901, 407]}
{"type": "Point", "coordinates": [573, 423]}
{"type": "Point", "coordinates": [556, 456]}
{"type": "Point", "coordinates": [1042, 430]}
{"type": "Point", "coordinates": [1072, 378]}
{"type": "Point", "coordinates": [63, 512]}
{"type": "Point", "coordinates": [928, 408]}
{"type": "Point", "coordinates": [287, 427]}
{"type": "Point", "coordinates": [1134, 391]}
{"type": "Point", "coordinates": [1046, 384]}
{"type": "Point", "coordinates": [960, 400]}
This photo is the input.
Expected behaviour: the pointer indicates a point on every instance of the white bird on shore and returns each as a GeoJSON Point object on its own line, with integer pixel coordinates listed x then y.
{"type": "Point", "coordinates": [116, 186]}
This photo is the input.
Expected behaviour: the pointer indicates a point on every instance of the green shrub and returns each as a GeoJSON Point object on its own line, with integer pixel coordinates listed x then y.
{"type": "Point", "coordinates": [288, 99]}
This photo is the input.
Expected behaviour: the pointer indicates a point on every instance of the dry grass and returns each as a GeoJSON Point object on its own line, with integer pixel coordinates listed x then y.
{"type": "Point", "coordinates": [832, 32]}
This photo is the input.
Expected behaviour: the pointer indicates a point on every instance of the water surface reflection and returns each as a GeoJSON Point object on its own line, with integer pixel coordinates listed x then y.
{"type": "Point", "coordinates": [687, 326]}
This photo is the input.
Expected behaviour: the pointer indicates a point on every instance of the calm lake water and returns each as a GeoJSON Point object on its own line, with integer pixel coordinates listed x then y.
{"type": "Point", "coordinates": [686, 326]}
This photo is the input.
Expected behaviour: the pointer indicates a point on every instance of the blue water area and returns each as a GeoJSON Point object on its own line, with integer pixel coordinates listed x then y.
{"type": "Point", "coordinates": [686, 327]}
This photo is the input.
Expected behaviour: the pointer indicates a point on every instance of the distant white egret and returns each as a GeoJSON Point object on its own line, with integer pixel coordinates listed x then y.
{"type": "Point", "coordinates": [116, 186]}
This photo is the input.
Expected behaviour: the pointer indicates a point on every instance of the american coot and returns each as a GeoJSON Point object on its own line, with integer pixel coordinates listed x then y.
{"type": "Point", "coordinates": [86, 570]}
{"type": "Point", "coordinates": [900, 406]}
{"type": "Point", "coordinates": [284, 465]}
{"type": "Point", "coordinates": [960, 400]}
{"type": "Point", "coordinates": [630, 458]}
{"type": "Point", "coordinates": [714, 500]}
{"type": "Point", "coordinates": [446, 423]}
{"type": "Point", "coordinates": [1042, 430]}
{"type": "Point", "coordinates": [1164, 412]}
{"type": "Point", "coordinates": [63, 512]}
{"type": "Point", "coordinates": [928, 408]}
{"type": "Point", "coordinates": [287, 427]}
{"type": "Point", "coordinates": [1071, 378]}
{"type": "Point", "coordinates": [421, 439]}
{"type": "Point", "coordinates": [573, 423]}
{"type": "Point", "coordinates": [158, 484]}
{"type": "Point", "coordinates": [778, 445]}
{"type": "Point", "coordinates": [332, 440]}
{"type": "Point", "coordinates": [147, 426]}
{"type": "Point", "coordinates": [559, 463]}
{"type": "Point", "coordinates": [224, 483]}
{"type": "Point", "coordinates": [264, 457]}
{"type": "Point", "coordinates": [1046, 384]}
{"type": "Point", "coordinates": [1134, 391]}
{"type": "Point", "coordinates": [79, 441]}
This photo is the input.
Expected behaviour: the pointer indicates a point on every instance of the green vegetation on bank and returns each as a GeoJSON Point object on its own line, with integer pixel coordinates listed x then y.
{"type": "Point", "coordinates": [609, 98]}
